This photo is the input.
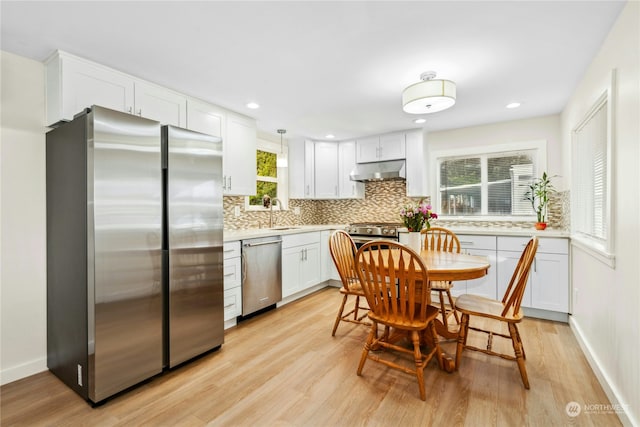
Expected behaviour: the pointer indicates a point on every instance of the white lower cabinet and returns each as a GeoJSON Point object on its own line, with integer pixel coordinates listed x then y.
{"type": "Point", "coordinates": [232, 282]}
{"type": "Point", "coordinates": [328, 269]}
{"type": "Point", "coordinates": [548, 285]}
{"type": "Point", "coordinates": [300, 262]}
{"type": "Point", "coordinates": [487, 285]}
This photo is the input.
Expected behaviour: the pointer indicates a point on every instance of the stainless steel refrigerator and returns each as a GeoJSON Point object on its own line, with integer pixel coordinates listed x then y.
{"type": "Point", "coordinates": [109, 312]}
{"type": "Point", "coordinates": [193, 246]}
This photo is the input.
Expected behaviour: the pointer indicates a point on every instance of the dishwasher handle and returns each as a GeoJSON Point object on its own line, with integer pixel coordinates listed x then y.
{"type": "Point", "coordinates": [270, 242]}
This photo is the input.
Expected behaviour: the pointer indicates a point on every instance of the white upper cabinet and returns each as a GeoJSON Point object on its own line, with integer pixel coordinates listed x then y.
{"type": "Point", "coordinates": [157, 103]}
{"type": "Point", "coordinates": [381, 148]}
{"type": "Point", "coordinates": [74, 84]}
{"type": "Point", "coordinates": [301, 170]}
{"type": "Point", "coordinates": [416, 164]}
{"type": "Point", "coordinates": [239, 156]}
{"type": "Point", "coordinates": [348, 189]}
{"type": "Point", "coordinates": [326, 170]}
{"type": "Point", "coordinates": [309, 170]}
{"type": "Point", "coordinates": [206, 118]}
{"type": "Point", "coordinates": [392, 146]}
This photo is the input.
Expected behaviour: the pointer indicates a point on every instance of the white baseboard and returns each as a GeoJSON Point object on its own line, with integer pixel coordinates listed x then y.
{"type": "Point", "coordinates": [15, 373]}
{"type": "Point", "coordinates": [610, 390]}
{"type": "Point", "coordinates": [301, 294]}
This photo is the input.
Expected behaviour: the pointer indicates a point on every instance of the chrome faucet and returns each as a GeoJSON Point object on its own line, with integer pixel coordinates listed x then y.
{"type": "Point", "coordinates": [273, 201]}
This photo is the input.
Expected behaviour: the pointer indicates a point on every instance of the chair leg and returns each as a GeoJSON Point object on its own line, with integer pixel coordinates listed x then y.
{"type": "Point", "coordinates": [462, 338]}
{"type": "Point", "coordinates": [355, 310]}
{"type": "Point", "coordinates": [524, 355]}
{"type": "Point", "coordinates": [339, 317]}
{"type": "Point", "coordinates": [436, 344]}
{"type": "Point", "coordinates": [367, 346]}
{"type": "Point", "coordinates": [443, 310]}
{"type": "Point", "coordinates": [417, 355]}
{"type": "Point", "coordinates": [455, 313]}
{"type": "Point", "coordinates": [517, 348]}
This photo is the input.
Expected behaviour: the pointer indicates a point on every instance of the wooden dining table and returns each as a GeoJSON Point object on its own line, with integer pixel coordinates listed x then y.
{"type": "Point", "coordinates": [447, 266]}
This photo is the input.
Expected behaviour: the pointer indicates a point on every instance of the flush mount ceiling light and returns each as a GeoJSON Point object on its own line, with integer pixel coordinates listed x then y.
{"type": "Point", "coordinates": [281, 161]}
{"type": "Point", "coordinates": [429, 95]}
{"type": "Point", "coordinates": [253, 105]}
{"type": "Point", "coordinates": [330, 136]}
{"type": "Point", "coordinates": [513, 105]}
{"type": "Point", "coordinates": [420, 121]}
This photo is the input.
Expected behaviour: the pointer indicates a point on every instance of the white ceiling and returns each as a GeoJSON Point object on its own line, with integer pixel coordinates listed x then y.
{"type": "Point", "coordinates": [331, 67]}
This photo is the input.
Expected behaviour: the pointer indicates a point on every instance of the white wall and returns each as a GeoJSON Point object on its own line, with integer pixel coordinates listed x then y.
{"type": "Point", "coordinates": [23, 333]}
{"type": "Point", "coordinates": [606, 301]}
{"type": "Point", "coordinates": [512, 132]}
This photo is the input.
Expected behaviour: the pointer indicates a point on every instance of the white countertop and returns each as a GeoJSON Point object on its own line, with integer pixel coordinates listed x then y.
{"type": "Point", "coordinates": [507, 231]}
{"type": "Point", "coordinates": [250, 233]}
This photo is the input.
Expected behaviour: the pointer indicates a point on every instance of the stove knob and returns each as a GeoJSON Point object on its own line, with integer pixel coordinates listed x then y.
{"type": "Point", "coordinates": [385, 231]}
{"type": "Point", "coordinates": [369, 230]}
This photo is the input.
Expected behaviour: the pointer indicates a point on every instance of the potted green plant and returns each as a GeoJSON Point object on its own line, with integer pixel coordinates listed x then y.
{"type": "Point", "coordinates": [538, 194]}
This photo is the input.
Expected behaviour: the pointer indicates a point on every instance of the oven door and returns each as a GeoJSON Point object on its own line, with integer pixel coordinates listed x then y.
{"type": "Point", "coordinates": [361, 240]}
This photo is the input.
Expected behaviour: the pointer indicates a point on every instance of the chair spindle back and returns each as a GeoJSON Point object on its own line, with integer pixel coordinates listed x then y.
{"type": "Point", "coordinates": [394, 280]}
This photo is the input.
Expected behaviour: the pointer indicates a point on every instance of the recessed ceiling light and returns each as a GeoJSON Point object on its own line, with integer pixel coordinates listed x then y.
{"type": "Point", "coordinates": [419, 121]}
{"type": "Point", "coordinates": [253, 105]}
{"type": "Point", "coordinates": [513, 105]}
{"type": "Point", "coordinates": [330, 136]}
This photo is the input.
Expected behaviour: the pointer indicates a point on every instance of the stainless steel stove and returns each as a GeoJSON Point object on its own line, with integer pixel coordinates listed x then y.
{"type": "Point", "coordinates": [366, 231]}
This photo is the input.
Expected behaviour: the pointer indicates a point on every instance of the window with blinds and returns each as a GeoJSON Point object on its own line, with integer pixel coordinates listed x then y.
{"type": "Point", "coordinates": [589, 186]}
{"type": "Point", "coordinates": [491, 184]}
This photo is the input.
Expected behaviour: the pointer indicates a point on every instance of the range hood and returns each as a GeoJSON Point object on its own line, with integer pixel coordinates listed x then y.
{"type": "Point", "coordinates": [379, 171]}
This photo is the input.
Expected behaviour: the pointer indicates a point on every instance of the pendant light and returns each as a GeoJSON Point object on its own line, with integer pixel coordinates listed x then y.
{"type": "Point", "coordinates": [429, 95]}
{"type": "Point", "coordinates": [281, 162]}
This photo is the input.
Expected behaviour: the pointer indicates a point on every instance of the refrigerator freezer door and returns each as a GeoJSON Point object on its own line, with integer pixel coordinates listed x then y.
{"type": "Point", "coordinates": [124, 249]}
{"type": "Point", "coordinates": [194, 217]}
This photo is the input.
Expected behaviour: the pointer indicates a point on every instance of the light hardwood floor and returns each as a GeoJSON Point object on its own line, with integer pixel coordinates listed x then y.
{"type": "Point", "coordinates": [283, 368]}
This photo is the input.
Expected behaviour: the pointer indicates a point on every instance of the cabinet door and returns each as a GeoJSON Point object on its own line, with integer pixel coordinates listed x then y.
{"type": "Point", "coordinates": [309, 170]}
{"type": "Point", "coordinates": [239, 161]}
{"type": "Point", "coordinates": [507, 262]}
{"type": "Point", "coordinates": [416, 182]}
{"type": "Point", "coordinates": [73, 84]}
{"type": "Point", "coordinates": [291, 261]}
{"type": "Point", "coordinates": [549, 282]}
{"type": "Point", "coordinates": [485, 286]}
{"type": "Point", "coordinates": [310, 266]}
{"type": "Point", "coordinates": [392, 146]}
{"type": "Point", "coordinates": [367, 149]}
{"type": "Point", "coordinates": [348, 189]}
{"type": "Point", "coordinates": [206, 118]}
{"type": "Point", "coordinates": [296, 168]}
{"type": "Point", "coordinates": [157, 103]}
{"type": "Point", "coordinates": [326, 170]}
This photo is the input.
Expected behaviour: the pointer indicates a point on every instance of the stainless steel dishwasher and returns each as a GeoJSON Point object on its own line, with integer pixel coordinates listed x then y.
{"type": "Point", "coordinates": [261, 273]}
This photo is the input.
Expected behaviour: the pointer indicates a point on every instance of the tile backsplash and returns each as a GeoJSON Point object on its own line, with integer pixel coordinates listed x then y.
{"type": "Point", "coordinates": [382, 203]}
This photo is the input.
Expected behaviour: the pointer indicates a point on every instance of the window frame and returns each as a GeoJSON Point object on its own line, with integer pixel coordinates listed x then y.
{"type": "Point", "coordinates": [282, 152]}
{"type": "Point", "coordinates": [540, 146]}
{"type": "Point", "coordinates": [600, 248]}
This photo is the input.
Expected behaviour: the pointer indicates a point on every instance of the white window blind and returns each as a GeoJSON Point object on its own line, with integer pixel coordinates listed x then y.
{"type": "Point", "coordinates": [590, 175]}
{"type": "Point", "coordinates": [487, 184]}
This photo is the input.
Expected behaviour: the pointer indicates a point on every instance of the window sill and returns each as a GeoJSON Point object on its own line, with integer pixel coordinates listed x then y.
{"type": "Point", "coordinates": [594, 250]}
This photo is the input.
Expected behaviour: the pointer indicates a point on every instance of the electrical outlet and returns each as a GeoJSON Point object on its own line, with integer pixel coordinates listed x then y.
{"type": "Point", "coordinates": [296, 210]}
{"type": "Point", "coordinates": [236, 211]}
